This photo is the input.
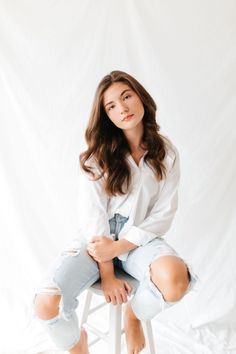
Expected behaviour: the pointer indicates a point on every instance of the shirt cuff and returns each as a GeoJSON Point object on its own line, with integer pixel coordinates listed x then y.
{"type": "Point", "coordinates": [138, 236]}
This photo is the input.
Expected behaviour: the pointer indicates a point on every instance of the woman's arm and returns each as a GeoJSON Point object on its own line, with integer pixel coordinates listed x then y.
{"type": "Point", "coordinates": [123, 246]}
{"type": "Point", "coordinates": [103, 249]}
{"type": "Point", "coordinates": [93, 220]}
{"type": "Point", "coordinates": [156, 224]}
{"type": "Point", "coordinates": [106, 270]}
{"type": "Point", "coordinates": [115, 290]}
{"type": "Point", "coordinates": [160, 217]}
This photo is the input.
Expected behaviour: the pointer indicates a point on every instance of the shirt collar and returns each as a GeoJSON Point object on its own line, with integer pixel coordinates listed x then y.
{"type": "Point", "coordinates": [141, 161]}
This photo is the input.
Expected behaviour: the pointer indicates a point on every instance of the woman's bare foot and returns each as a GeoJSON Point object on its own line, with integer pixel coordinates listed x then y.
{"type": "Point", "coordinates": [135, 339]}
{"type": "Point", "coordinates": [82, 346]}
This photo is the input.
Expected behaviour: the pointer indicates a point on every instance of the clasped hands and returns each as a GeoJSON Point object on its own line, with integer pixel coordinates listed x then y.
{"type": "Point", "coordinates": [102, 248]}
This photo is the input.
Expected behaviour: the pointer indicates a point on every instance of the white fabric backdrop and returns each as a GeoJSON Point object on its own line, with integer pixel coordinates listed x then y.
{"type": "Point", "coordinates": [52, 55]}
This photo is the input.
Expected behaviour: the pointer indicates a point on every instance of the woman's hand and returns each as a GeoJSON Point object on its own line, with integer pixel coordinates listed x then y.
{"type": "Point", "coordinates": [115, 290]}
{"type": "Point", "coordinates": [102, 248]}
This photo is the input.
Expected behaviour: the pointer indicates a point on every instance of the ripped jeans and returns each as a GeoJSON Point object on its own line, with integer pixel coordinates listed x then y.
{"type": "Point", "coordinates": [74, 271]}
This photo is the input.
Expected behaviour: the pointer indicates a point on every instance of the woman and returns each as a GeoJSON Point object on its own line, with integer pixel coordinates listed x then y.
{"type": "Point", "coordinates": [128, 192]}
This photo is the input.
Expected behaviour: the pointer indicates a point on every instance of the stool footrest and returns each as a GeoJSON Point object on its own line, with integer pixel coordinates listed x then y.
{"type": "Point", "coordinates": [98, 333]}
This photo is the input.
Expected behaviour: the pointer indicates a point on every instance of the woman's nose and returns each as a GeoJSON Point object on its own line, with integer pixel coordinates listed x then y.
{"type": "Point", "coordinates": [123, 108]}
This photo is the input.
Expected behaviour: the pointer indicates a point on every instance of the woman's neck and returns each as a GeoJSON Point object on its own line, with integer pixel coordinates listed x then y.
{"type": "Point", "coordinates": [134, 138]}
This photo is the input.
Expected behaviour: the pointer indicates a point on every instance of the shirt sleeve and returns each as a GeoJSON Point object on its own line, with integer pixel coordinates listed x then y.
{"type": "Point", "coordinates": [92, 205]}
{"type": "Point", "coordinates": [160, 218]}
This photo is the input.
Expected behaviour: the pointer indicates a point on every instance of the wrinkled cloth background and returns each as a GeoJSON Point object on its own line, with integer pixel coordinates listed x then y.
{"type": "Point", "coordinates": [52, 56]}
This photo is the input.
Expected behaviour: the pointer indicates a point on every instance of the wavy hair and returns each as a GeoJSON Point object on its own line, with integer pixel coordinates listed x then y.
{"type": "Point", "coordinates": [107, 145]}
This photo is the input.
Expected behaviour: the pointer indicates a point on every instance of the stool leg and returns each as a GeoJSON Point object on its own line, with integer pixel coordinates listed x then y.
{"type": "Point", "coordinates": [114, 339]}
{"type": "Point", "coordinates": [86, 307]}
{"type": "Point", "coordinates": [150, 347]}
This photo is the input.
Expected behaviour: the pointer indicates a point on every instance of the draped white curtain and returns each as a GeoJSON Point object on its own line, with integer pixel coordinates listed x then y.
{"type": "Point", "coordinates": [52, 56]}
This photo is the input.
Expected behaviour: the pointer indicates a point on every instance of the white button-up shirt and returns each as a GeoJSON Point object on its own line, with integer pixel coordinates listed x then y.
{"type": "Point", "coordinates": [150, 205]}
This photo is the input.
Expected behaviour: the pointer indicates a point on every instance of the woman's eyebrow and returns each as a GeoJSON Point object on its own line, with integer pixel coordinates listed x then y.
{"type": "Point", "coordinates": [120, 96]}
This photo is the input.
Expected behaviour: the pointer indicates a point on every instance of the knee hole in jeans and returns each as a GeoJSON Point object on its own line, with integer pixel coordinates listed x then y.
{"type": "Point", "coordinates": [46, 303]}
{"type": "Point", "coordinates": [171, 279]}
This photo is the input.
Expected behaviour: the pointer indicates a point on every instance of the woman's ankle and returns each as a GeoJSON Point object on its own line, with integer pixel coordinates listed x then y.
{"type": "Point", "coordinates": [130, 313]}
{"type": "Point", "coordinates": [82, 346]}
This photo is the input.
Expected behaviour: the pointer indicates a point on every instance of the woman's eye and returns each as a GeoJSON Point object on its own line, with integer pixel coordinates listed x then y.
{"type": "Point", "coordinates": [110, 107]}
{"type": "Point", "coordinates": [127, 96]}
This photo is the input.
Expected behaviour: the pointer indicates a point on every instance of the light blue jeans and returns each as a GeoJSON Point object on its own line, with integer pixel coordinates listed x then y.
{"type": "Point", "coordinates": [74, 271]}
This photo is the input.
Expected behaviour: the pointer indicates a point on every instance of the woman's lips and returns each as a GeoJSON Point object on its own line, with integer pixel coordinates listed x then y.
{"type": "Point", "coordinates": [127, 118]}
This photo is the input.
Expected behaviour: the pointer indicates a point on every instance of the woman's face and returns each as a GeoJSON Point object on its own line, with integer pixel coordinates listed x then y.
{"type": "Point", "coordinates": [123, 106]}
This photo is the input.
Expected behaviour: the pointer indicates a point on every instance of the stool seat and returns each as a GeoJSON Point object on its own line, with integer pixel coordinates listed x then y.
{"type": "Point", "coordinates": [113, 336]}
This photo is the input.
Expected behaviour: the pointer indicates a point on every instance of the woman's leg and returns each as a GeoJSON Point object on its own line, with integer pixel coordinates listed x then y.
{"type": "Point", "coordinates": [56, 300]}
{"type": "Point", "coordinates": [164, 279]}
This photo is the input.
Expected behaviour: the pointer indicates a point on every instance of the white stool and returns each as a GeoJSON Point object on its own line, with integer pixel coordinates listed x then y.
{"type": "Point", "coordinates": [113, 336]}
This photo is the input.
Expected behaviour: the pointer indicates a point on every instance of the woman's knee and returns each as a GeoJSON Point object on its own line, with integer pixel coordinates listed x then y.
{"type": "Point", "coordinates": [46, 305]}
{"type": "Point", "coordinates": [170, 275]}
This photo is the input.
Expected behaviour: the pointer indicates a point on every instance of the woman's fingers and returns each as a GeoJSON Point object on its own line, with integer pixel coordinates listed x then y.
{"type": "Point", "coordinates": [119, 297]}
{"type": "Point", "coordinates": [128, 288]}
{"type": "Point", "coordinates": [90, 250]}
{"type": "Point", "coordinates": [113, 299]}
{"type": "Point", "coordinates": [124, 295]}
{"type": "Point", "coordinates": [117, 292]}
{"type": "Point", "coordinates": [94, 239]}
{"type": "Point", "coordinates": [93, 253]}
{"type": "Point", "coordinates": [107, 297]}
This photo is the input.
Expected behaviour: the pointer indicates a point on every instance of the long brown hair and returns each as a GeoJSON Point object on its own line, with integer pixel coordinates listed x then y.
{"type": "Point", "coordinates": [107, 145]}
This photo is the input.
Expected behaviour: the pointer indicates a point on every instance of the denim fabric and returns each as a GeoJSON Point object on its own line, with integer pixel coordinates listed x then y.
{"type": "Point", "coordinates": [74, 271]}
